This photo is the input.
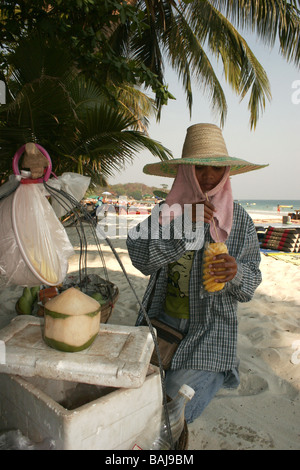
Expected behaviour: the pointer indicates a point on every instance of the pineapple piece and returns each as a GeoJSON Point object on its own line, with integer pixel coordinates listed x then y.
{"type": "Point", "coordinates": [211, 250]}
{"type": "Point", "coordinates": [43, 267]}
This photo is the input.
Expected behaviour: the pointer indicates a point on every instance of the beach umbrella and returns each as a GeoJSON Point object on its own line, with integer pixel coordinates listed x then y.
{"type": "Point", "coordinates": [107, 193]}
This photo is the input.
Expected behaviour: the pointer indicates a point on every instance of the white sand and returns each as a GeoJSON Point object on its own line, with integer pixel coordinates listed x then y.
{"type": "Point", "coordinates": [264, 413]}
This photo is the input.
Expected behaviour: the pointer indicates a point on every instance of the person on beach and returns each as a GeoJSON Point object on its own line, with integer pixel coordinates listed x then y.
{"type": "Point", "coordinates": [206, 358]}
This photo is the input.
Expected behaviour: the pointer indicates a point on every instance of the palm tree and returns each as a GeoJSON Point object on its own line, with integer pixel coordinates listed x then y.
{"type": "Point", "coordinates": [186, 33]}
{"type": "Point", "coordinates": [83, 129]}
{"type": "Point", "coordinates": [110, 41]}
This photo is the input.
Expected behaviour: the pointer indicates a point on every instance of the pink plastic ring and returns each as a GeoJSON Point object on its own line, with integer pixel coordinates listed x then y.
{"type": "Point", "coordinates": [44, 152]}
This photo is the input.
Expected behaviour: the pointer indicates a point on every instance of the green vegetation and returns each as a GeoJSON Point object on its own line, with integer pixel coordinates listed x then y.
{"type": "Point", "coordinates": [74, 71]}
{"type": "Point", "coordinates": [50, 102]}
{"type": "Point", "coordinates": [136, 191]}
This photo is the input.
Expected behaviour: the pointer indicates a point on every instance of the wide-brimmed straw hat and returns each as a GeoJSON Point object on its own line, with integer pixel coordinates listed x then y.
{"type": "Point", "coordinates": [204, 145]}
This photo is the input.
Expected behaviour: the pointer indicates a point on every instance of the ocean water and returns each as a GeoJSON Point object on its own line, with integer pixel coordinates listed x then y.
{"type": "Point", "coordinates": [269, 206]}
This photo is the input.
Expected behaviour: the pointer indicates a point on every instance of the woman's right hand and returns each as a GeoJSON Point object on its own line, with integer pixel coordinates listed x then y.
{"type": "Point", "coordinates": [209, 210]}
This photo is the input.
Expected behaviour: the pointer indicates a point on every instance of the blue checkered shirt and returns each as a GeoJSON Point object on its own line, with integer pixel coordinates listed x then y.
{"type": "Point", "coordinates": [211, 341]}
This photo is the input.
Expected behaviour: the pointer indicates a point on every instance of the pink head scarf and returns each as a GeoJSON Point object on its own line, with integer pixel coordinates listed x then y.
{"type": "Point", "coordinates": [186, 190]}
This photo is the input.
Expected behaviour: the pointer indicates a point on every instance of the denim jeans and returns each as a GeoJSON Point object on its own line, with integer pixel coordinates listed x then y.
{"type": "Point", "coordinates": [205, 383]}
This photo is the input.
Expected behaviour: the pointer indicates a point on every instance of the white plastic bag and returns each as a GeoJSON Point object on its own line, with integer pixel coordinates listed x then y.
{"type": "Point", "coordinates": [34, 246]}
{"type": "Point", "coordinates": [72, 183]}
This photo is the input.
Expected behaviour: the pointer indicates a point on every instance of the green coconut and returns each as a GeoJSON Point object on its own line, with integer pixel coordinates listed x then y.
{"type": "Point", "coordinates": [72, 321]}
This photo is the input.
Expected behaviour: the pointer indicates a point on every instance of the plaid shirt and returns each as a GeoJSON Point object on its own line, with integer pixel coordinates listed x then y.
{"type": "Point", "coordinates": [211, 341]}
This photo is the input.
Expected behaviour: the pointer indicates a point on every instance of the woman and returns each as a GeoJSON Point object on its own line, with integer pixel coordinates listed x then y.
{"type": "Point", "coordinates": [206, 357]}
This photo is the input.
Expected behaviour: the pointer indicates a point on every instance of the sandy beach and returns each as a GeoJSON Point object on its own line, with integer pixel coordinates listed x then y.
{"type": "Point", "coordinates": [264, 412]}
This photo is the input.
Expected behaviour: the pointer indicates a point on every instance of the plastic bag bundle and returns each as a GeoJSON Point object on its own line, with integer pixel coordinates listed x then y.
{"type": "Point", "coordinates": [34, 246]}
{"type": "Point", "coordinates": [74, 185]}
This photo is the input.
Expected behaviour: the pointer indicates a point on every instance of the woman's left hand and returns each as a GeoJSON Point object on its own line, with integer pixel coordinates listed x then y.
{"type": "Point", "coordinates": [228, 265]}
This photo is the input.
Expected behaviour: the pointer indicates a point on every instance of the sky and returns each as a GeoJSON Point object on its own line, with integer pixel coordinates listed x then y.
{"type": "Point", "coordinates": [276, 139]}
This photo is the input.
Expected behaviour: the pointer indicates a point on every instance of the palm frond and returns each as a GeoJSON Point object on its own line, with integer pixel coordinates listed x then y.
{"type": "Point", "coordinates": [137, 104]}
{"type": "Point", "coordinates": [107, 141]}
{"type": "Point", "coordinates": [186, 33]}
{"type": "Point", "coordinates": [189, 59]}
{"type": "Point", "coordinates": [269, 19]}
{"type": "Point", "coordinates": [242, 70]}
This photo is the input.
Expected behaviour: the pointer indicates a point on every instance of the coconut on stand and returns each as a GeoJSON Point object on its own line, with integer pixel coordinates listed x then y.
{"type": "Point", "coordinates": [72, 321]}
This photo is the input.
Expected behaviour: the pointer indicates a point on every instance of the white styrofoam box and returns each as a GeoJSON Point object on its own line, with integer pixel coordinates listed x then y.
{"type": "Point", "coordinates": [111, 419]}
{"type": "Point", "coordinates": [119, 356]}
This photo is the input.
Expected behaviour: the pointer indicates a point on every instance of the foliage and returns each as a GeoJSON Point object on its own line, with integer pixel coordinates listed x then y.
{"type": "Point", "coordinates": [90, 31]}
{"type": "Point", "coordinates": [51, 103]}
{"type": "Point", "coordinates": [190, 32]}
{"type": "Point", "coordinates": [136, 191]}
{"type": "Point", "coordinates": [127, 189]}
{"type": "Point", "coordinates": [75, 89]}
{"type": "Point", "coordinates": [137, 195]}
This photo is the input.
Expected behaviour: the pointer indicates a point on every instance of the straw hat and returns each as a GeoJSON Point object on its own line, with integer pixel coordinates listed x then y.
{"type": "Point", "coordinates": [204, 145]}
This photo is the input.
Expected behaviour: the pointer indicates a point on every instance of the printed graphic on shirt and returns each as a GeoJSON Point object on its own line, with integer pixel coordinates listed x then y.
{"type": "Point", "coordinates": [177, 298]}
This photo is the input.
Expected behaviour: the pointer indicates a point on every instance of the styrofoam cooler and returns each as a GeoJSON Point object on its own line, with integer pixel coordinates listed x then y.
{"type": "Point", "coordinates": [99, 398]}
{"type": "Point", "coordinates": [112, 421]}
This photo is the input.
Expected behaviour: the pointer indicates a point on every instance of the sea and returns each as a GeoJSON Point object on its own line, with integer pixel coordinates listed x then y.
{"type": "Point", "coordinates": [269, 206]}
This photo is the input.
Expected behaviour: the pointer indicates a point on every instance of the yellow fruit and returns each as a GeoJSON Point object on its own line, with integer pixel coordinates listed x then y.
{"type": "Point", "coordinates": [43, 267]}
{"type": "Point", "coordinates": [211, 250]}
